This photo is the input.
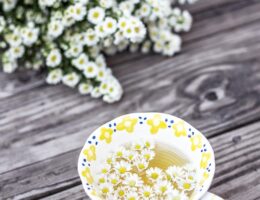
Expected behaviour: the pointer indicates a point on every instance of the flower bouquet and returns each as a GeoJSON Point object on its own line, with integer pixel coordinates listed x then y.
{"type": "Point", "coordinates": [70, 37]}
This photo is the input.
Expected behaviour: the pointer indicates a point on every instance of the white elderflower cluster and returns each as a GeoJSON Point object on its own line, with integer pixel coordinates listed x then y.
{"type": "Point", "coordinates": [71, 37]}
{"type": "Point", "coordinates": [127, 175]}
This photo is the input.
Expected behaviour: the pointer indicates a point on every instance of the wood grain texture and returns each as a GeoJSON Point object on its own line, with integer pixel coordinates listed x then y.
{"type": "Point", "coordinates": [214, 84]}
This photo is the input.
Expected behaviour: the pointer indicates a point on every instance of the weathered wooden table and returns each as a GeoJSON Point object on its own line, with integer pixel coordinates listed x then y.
{"type": "Point", "coordinates": [214, 84]}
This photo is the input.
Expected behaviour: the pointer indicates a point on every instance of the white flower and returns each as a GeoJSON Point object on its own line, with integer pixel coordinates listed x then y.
{"type": "Point", "coordinates": [81, 61]}
{"type": "Point", "coordinates": [9, 5]}
{"type": "Point", "coordinates": [121, 191]}
{"type": "Point", "coordinates": [54, 76]}
{"type": "Point", "coordinates": [71, 79]}
{"type": "Point", "coordinates": [96, 15]}
{"type": "Point", "coordinates": [131, 196]}
{"type": "Point", "coordinates": [16, 52]}
{"type": "Point", "coordinates": [176, 195]}
{"type": "Point", "coordinates": [107, 3]}
{"type": "Point", "coordinates": [55, 28]}
{"type": "Point", "coordinates": [54, 58]}
{"type": "Point", "coordinates": [110, 25]}
{"type": "Point", "coordinates": [120, 152]}
{"type": "Point", "coordinates": [149, 144]}
{"type": "Point", "coordinates": [141, 164]}
{"type": "Point", "coordinates": [175, 172]}
{"type": "Point", "coordinates": [105, 169]}
{"type": "Point", "coordinates": [95, 93]}
{"type": "Point", "coordinates": [137, 145]}
{"type": "Point", "coordinates": [90, 70]}
{"type": "Point", "coordinates": [9, 67]}
{"type": "Point", "coordinates": [101, 178]}
{"type": "Point", "coordinates": [145, 10]}
{"type": "Point", "coordinates": [132, 180]}
{"type": "Point", "coordinates": [122, 24]}
{"type": "Point", "coordinates": [91, 38]}
{"type": "Point", "coordinates": [131, 155]}
{"type": "Point", "coordinates": [154, 174]}
{"type": "Point", "coordinates": [114, 179]}
{"type": "Point", "coordinates": [79, 12]}
{"type": "Point", "coordinates": [146, 192]}
{"type": "Point", "coordinates": [99, 29]}
{"type": "Point", "coordinates": [122, 167]}
{"type": "Point", "coordinates": [148, 154]}
{"type": "Point", "coordinates": [163, 187]}
{"type": "Point", "coordinates": [2, 24]}
{"type": "Point", "coordinates": [30, 36]}
{"type": "Point", "coordinates": [181, 21]}
{"type": "Point", "coordinates": [100, 61]}
{"type": "Point", "coordinates": [75, 50]}
{"type": "Point", "coordinates": [14, 39]}
{"type": "Point", "coordinates": [126, 7]}
{"type": "Point", "coordinates": [85, 88]}
{"type": "Point", "coordinates": [105, 189]}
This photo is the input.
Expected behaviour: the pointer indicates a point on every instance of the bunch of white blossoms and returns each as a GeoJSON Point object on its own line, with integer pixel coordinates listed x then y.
{"type": "Point", "coordinates": [127, 174]}
{"type": "Point", "coordinates": [70, 37]}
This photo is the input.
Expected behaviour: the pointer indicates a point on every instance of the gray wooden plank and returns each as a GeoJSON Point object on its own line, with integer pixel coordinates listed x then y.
{"type": "Point", "coordinates": [237, 171]}
{"type": "Point", "coordinates": [46, 122]}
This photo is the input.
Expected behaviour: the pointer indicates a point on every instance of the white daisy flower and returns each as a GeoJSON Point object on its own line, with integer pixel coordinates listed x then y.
{"type": "Point", "coordinates": [107, 3]}
{"type": "Point", "coordinates": [2, 24]}
{"type": "Point", "coordinates": [146, 192]}
{"type": "Point", "coordinates": [75, 50]}
{"type": "Point", "coordinates": [55, 28]}
{"type": "Point", "coordinates": [110, 159]}
{"type": "Point", "coordinates": [148, 154]}
{"type": "Point", "coordinates": [96, 15]}
{"type": "Point", "coordinates": [85, 88]}
{"type": "Point", "coordinates": [175, 172]}
{"type": "Point", "coordinates": [110, 25]}
{"type": "Point", "coordinates": [30, 36]}
{"type": "Point", "coordinates": [136, 145]}
{"type": "Point", "coordinates": [163, 187]}
{"type": "Point", "coordinates": [99, 30]}
{"type": "Point", "coordinates": [79, 11]}
{"type": "Point", "coordinates": [186, 184]}
{"type": "Point", "coordinates": [95, 93]}
{"type": "Point", "coordinates": [105, 189]}
{"type": "Point", "coordinates": [122, 167]}
{"type": "Point", "coordinates": [14, 39]}
{"type": "Point", "coordinates": [91, 38]}
{"type": "Point", "coordinates": [149, 144]}
{"type": "Point", "coordinates": [141, 164]}
{"type": "Point", "coordinates": [122, 23]}
{"type": "Point", "coordinates": [131, 155]}
{"type": "Point", "coordinates": [154, 174]}
{"type": "Point", "coordinates": [145, 10]}
{"type": "Point", "coordinates": [132, 180]}
{"type": "Point", "coordinates": [120, 152]}
{"type": "Point", "coordinates": [176, 195]}
{"type": "Point", "coordinates": [16, 52]}
{"type": "Point", "coordinates": [121, 192]}
{"type": "Point", "coordinates": [90, 70]}
{"type": "Point", "coordinates": [71, 79]}
{"type": "Point", "coordinates": [54, 76]}
{"type": "Point", "coordinates": [114, 179]}
{"type": "Point", "coordinates": [105, 169]}
{"type": "Point", "coordinates": [10, 67]}
{"type": "Point", "coordinates": [101, 179]}
{"type": "Point", "coordinates": [131, 196]}
{"type": "Point", "coordinates": [54, 58]}
{"type": "Point", "coordinates": [81, 61]}
{"type": "Point", "coordinates": [100, 61]}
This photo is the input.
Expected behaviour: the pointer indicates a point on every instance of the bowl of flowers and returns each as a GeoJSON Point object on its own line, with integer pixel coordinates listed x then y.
{"type": "Point", "coordinates": [147, 156]}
